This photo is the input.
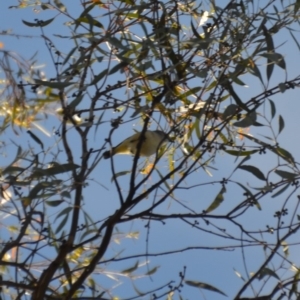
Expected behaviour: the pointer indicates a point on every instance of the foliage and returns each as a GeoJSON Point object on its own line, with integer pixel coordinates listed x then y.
{"type": "Point", "coordinates": [181, 67]}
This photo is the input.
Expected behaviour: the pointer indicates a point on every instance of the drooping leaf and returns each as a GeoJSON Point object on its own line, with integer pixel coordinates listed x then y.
{"type": "Point", "coordinates": [275, 58]}
{"type": "Point", "coordinates": [273, 108]}
{"type": "Point", "coordinates": [203, 285]}
{"type": "Point", "coordinates": [122, 173]}
{"type": "Point", "coordinates": [131, 269]}
{"type": "Point", "coordinates": [230, 110]}
{"type": "Point", "coordinates": [267, 272]}
{"type": "Point", "coordinates": [65, 211]}
{"type": "Point", "coordinates": [270, 48]}
{"type": "Point", "coordinates": [240, 153]}
{"type": "Point", "coordinates": [54, 203]}
{"type": "Point", "coordinates": [285, 187]}
{"type": "Point", "coordinates": [255, 171]}
{"type": "Point", "coordinates": [54, 84]}
{"type": "Point", "coordinates": [39, 23]}
{"type": "Point", "coordinates": [56, 169]}
{"type": "Point", "coordinates": [152, 271]}
{"type": "Point", "coordinates": [62, 224]}
{"type": "Point", "coordinates": [281, 123]}
{"type": "Point", "coordinates": [76, 101]}
{"type": "Point", "coordinates": [217, 201]}
{"type": "Point", "coordinates": [250, 195]}
{"type": "Point", "coordinates": [287, 156]}
{"type": "Point", "coordinates": [41, 186]}
{"type": "Point", "coordinates": [36, 139]}
{"type": "Point", "coordinates": [286, 175]}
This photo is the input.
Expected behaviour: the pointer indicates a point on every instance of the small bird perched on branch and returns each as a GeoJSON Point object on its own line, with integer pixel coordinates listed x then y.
{"type": "Point", "coordinates": [152, 140]}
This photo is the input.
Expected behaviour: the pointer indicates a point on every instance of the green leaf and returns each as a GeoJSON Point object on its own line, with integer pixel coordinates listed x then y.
{"type": "Point", "coordinates": [62, 224]}
{"type": "Point", "coordinates": [38, 23]}
{"type": "Point", "coordinates": [230, 110]}
{"type": "Point", "coordinates": [296, 8]}
{"type": "Point", "coordinates": [54, 203]}
{"type": "Point", "coordinates": [53, 84]}
{"type": "Point", "coordinates": [250, 195]}
{"type": "Point", "coordinates": [267, 272]}
{"type": "Point", "coordinates": [36, 139]}
{"type": "Point", "coordinates": [275, 58]}
{"type": "Point", "coordinates": [41, 186]}
{"type": "Point", "coordinates": [286, 175]}
{"type": "Point", "coordinates": [240, 153]}
{"type": "Point", "coordinates": [281, 190]}
{"type": "Point", "coordinates": [57, 169]}
{"type": "Point", "coordinates": [217, 201]}
{"type": "Point", "coordinates": [88, 19]}
{"type": "Point", "coordinates": [12, 169]}
{"type": "Point", "coordinates": [122, 173]}
{"type": "Point", "coordinates": [152, 271]}
{"type": "Point", "coordinates": [65, 211]}
{"type": "Point", "coordinates": [247, 121]}
{"type": "Point", "coordinates": [295, 40]}
{"type": "Point", "coordinates": [131, 269]}
{"type": "Point", "coordinates": [281, 123]}
{"type": "Point", "coordinates": [244, 123]}
{"type": "Point", "coordinates": [203, 285]}
{"type": "Point", "coordinates": [195, 31]}
{"type": "Point", "coordinates": [287, 156]}
{"type": "Point", "coordinates": [254, 70]}
{"type": "Point", "coordinates": [118, 67]}
{"type": "Point", "coordinates": [270, 48]}
{"type": "Point", "coordinates": [255, 171]}
{"type": "Point", "coordinates": [69, 55]}
{"type": "Point", "coordinates": [60, 5]}
{"type": "Point", "coordinates": [273, 108]}
{"type": "Point", "coordinates": [98, 77]}
{"type": "Point", "coordinates": [279, 151]}
{"type": "Point", "coordinates": [76, 101]}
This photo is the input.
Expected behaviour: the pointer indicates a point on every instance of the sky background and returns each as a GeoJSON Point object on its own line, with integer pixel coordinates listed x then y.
{"type": "Point", "coordinates": [100, 199]}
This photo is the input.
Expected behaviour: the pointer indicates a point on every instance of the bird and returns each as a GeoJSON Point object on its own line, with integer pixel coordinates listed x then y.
{"type": "Point", "coordinates": [152, 140]}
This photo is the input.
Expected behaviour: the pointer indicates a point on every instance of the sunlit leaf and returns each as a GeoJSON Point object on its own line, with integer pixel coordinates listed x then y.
{"type": "Point", "coordinates": [240, 153]}
{"type": "Point", "coordinates": [131, 269]}
{"type": "Point", "coordinates": [285, 248]}
{"type": "Point", "coordinates": [60, 5]}
{"type": "Point", "coordinates": [217, 201]}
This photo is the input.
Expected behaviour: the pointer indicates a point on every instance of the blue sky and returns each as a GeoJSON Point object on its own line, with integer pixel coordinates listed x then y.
{"type": "Point", "coordinates": [100, 199]}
